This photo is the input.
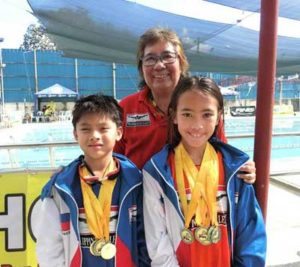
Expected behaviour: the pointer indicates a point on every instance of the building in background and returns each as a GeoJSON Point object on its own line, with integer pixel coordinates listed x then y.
{"type": "Point", "coordinates": [28, 72]}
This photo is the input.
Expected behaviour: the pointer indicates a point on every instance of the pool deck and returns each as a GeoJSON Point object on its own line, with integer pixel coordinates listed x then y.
{"type": "Point", "coordinates": [283, 220]}
{"type": "Point", "coordinates": [283, 213]}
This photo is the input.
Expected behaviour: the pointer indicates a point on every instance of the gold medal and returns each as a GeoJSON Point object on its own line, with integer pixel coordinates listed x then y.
{"type": "Point", "coordinates": [203, 183]}
{"type": "Point", "coordinates": [201, 235]}
{"type": "Point", "coordinates": [187, 236]}
{"type": "Point", "coordinates": [214, 234]}
{"type": "Point", "coordinates": [108, 251]}
{"type": "Point", "coordinates": [96, 247]}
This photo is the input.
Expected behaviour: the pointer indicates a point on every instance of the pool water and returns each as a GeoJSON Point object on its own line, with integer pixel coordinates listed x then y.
{"type": "Point", "coordinates": [282, 146]}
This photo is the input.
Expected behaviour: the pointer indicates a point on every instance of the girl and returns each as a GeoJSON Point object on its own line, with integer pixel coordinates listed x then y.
{"type": "Point", "coordinates": [197, 212]}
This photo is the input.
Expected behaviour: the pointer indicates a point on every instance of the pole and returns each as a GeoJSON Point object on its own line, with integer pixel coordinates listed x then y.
{"type": "Point", "coordinates": [299, 100]}
{"type": "Point", "coordinates": [114, 79]}
{"type": "Point", "coordinates": [76, 75]}
{"type": "Point", "coordinates": [2, 83]}
{"type": "Point", "coordinates": [35, 72]}
{"type": "Point", "coordinates": [265, 98]}
{"type": "Point", "coordinates": [280, 91]}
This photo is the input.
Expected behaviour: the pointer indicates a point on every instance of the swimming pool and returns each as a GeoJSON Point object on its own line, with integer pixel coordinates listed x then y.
{"type": "Point", "coordinates": [283, 147]}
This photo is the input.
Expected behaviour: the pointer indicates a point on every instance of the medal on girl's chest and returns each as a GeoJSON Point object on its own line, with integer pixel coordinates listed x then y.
{"type": "Point", "coordinates": [214, 233]}
{"type": "Point", "coordinates": [187, 236]}
{"type": "Point", "coordinates": [207, 236]}
{"type": "Point", "coordinates": [202, 204]}
{"type": "Point", "coordinates": [201, 235]}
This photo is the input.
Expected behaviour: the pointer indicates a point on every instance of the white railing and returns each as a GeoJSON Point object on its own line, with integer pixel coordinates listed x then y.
{"type": "Point", "coordinates": [51, 147]}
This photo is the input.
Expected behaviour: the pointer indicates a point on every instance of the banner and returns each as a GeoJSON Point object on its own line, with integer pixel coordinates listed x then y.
{"type": "Point", "coordinates": [19, 199]}
{"type": "Point", "coordinates": [242, 111]}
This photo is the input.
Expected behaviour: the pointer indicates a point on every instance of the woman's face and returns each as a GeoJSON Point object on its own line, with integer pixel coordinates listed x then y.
{"type": "Point", "coordinates": [161, 78]}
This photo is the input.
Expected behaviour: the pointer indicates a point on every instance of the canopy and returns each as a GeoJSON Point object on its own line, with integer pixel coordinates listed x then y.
{"type": "Point", "coordinates": [56, 90]}
{"type": "Point", "coordinates": [54, 93]}
{"type": "Point", "coordinates": [218, 35]}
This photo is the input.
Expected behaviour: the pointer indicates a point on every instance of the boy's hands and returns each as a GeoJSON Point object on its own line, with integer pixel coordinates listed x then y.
{"type": "Point", "coordinates": [248, 172]}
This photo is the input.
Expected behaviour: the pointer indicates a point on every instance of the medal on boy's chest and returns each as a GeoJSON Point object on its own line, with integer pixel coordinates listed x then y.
{"type": "Point", "coordinates": [108, 251]}
{"type": "Point", "coordinates": [96, 247]}
{"type": "Point", "coordinates": [98, 213]}
{"type": "Point", "coordinates": [202, 205]}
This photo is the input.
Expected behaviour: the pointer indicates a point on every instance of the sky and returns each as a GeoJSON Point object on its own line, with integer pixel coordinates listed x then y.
{"type": "Point", "coordinates": [213, 12]}
{"type": "Point", "coordinates": [14, 20]}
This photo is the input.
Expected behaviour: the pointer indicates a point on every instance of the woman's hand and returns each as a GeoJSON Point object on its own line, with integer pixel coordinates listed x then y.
{"type": "Point", "coordinates": [248, 172]}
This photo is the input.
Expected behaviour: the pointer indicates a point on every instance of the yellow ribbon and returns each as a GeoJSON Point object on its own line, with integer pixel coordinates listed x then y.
{"type": "Point", "coordinates": [97, 209]}
{"type": "Point", "coordinates": [203, 184]}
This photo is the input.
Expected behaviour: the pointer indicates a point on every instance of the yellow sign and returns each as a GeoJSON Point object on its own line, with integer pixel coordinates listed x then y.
{"type": "Point", "coordinates": [283, 109]}
{"type": "Point", "coordinates": [19, 198]}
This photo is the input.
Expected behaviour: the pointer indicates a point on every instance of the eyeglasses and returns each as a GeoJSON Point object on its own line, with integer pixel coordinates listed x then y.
{"type": "Point", "coordinates": [165, 57]}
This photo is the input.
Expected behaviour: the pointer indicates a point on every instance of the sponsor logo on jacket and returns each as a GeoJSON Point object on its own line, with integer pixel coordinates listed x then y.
{"type": "Point", "coordinates": [134, 120]}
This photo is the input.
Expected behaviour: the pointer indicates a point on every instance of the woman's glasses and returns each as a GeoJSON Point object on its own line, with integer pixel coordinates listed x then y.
{"type": "Point", "coordinates": [165, 57]}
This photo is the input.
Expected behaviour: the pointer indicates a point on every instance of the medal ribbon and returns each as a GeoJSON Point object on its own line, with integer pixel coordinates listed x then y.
{"type": "Point", "coordinates": [203, 184]}
{"type": "Point", "coordinates": [97, 209]}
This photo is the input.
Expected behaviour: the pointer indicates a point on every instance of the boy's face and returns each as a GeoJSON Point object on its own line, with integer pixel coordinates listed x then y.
{"type": "Point", "coordinates": [96, 135]}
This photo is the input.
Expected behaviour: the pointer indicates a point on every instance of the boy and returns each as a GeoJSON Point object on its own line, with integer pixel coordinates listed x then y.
{"type": "Point", "coordinates": [91, 213]}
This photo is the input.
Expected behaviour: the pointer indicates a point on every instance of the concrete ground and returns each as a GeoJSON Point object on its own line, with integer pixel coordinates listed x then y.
{"type": "Point", "coordinates": [283, 221]}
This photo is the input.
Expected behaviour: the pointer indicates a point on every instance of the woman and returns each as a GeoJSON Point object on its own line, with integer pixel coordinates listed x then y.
{"type": "Point", "coordinates": [161, 63]}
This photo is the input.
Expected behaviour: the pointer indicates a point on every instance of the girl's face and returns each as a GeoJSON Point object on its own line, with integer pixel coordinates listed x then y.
{"type": "Point", "coordinates": [196, 116]}
{"type": "Point", "coordinates": [161, 78]}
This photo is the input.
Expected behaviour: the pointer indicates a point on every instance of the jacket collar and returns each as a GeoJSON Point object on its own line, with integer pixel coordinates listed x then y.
{"type": "Point", "coordinates": [161, 162]}
{"type": "Point", "coordinates": [64, 179]}
{"type": "Point", "coordinates": [233, 158]}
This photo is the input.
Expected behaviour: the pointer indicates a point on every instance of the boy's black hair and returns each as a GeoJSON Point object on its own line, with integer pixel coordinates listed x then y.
{"type": "Point", "coordinates": [100, 104]}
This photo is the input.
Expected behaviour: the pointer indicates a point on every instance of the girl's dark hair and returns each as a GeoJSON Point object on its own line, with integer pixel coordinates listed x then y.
{"type": "Point", "coordinates": [203, 84]}
{"type": "Point", "coordinates": [100, 104]}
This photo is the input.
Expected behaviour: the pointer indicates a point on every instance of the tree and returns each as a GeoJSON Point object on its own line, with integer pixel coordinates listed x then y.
{"type": "Point", "coordinates": [36, 38]}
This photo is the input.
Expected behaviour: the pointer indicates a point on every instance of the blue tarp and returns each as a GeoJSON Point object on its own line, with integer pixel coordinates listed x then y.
{"type": "Point", "coordinates": [109, 31]}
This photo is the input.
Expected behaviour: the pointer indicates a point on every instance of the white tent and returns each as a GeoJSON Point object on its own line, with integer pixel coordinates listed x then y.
{"type": "Point", "coordinates": [56, 90]}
